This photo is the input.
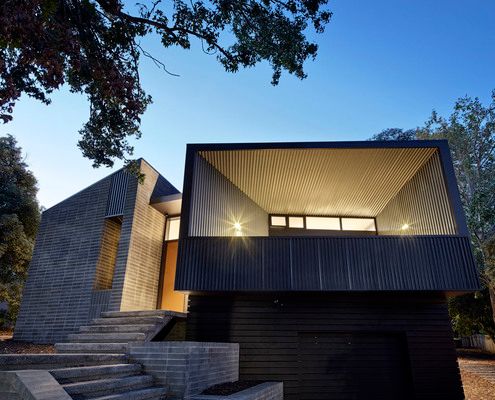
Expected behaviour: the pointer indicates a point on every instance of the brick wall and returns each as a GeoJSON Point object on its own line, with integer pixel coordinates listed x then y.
{"type": "Point", "coordinates": [137, 271]}
{"type": "Point", "coordinates": [263, 391]}
{"type": "Point", "coordinates": [188, 368]}
{"type": "Point", "coordinates": [108, 254]}
{"type": "Point", "coordinates": [80, 267]}
{"type": "Point", "coordinates": [57, 293]}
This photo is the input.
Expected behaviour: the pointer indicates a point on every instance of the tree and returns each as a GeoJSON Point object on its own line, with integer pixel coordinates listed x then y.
{"type": "Point", "coordinates": [19, 219]}
{"type": "Point", "coordinates": [93, 46]}
{"type": "Point", "coordinates": [470, 130]}
{"type": "Point", "coordinates": [395, 134]}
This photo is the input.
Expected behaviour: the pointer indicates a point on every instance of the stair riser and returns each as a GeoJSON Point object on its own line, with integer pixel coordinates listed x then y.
{"type": "Point", "coordinates": [143, 394]}
{"type": "Point", "coordinates": [92, 389]}
{"type": "Point", "coordinates": [72, 375]}
{"type": "Point", "coordinates": [116, 328]}
{"type": "Point", "coordinates": [52, 361]}
{"type": "Point", "coordinates": [106, 338]}
{"type": "Point", "coordinates": [149, 313]}
{"type": "Point", "coordinates": [112, 348]}
{"type": "Point", "coordinates": [130, 321]}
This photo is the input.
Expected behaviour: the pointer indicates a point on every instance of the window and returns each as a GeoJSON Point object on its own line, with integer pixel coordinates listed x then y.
{"type": "Point", "coordinates": [323, 223]}
{"type": "Point", "coordinates": [172, 228]}
{"type": "Point", "coordinates": [278, 220]}
{"type": "Point", "coordinates": [317, 223]}
{"type": "Point", "coordinates": [358, 224]}
{"type": "Point", "coordinates": [296, 222]}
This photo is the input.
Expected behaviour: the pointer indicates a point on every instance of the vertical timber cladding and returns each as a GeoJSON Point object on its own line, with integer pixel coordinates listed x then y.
{"type": "Point", "coordinates": [422, 204]}
{"type": "Point", "coordinates": [406, 338]}
{"type": "Point", "coordinates": [217, 204]}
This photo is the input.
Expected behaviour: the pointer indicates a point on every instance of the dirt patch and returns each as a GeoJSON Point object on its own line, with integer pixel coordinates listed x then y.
{"type": "Point", "coordinates": [10, 346]}
{"type": "Point", "coordinates": [225, 389]}
{"type": "Point", "coordinates": [477, 388]}
{"type": "Point", "coordinates": [473, 365]}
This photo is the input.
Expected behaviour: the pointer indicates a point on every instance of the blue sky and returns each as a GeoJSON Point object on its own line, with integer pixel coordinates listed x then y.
{"type": "Point", "coordinates": [381, 64]}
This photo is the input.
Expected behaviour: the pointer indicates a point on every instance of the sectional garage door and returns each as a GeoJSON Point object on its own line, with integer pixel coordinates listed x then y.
{"type": "Point", "coordinates": [353, 365]}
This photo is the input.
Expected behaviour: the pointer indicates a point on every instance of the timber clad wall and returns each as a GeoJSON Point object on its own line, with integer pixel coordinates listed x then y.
{"type": "Point", "coordinates": [61, 276]}
{"type": "Point", "coordinates": [274, 333]}
{"type": "Point", "coordinates": [422, 203]}
{"type": "Point", "coordinates": [216, 204]}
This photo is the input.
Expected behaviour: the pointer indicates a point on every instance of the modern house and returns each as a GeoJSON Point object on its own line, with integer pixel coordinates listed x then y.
{"type": "Point", "coordinates": [329, 263]}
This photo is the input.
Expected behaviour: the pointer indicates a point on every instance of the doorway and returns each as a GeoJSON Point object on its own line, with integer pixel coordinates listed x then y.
{"type": "Point", "coordinates": [168, 298]}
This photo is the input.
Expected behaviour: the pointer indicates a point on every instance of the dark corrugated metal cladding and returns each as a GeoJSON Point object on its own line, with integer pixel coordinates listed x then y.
{"type": "Point", "coordinates": [326, 264]}
{"type": "Point", "coordinates": [216, 205]}
{"type": "Point", "coordinates": [118, 190]}
{"type": "Point", "coordinates": [422, 204]}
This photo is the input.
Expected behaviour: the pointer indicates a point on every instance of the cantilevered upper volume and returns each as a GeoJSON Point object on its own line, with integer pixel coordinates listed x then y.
{"type": "Point", "coordinates": [267, 247]}
{"type": "Point", "coordinates": [332, 216]}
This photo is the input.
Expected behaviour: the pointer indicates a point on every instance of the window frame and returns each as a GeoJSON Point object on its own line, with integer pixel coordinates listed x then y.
{"type": "Point", "coordinates": [339, 217]}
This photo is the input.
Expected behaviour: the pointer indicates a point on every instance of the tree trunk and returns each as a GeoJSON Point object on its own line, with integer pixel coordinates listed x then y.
{"type": "Point", "coordinates": [492, 300]}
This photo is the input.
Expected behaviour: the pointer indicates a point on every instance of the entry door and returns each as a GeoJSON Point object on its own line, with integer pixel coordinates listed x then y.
{"type": "Point", "coordinates": [353, 366]}
{"type": "Point", "coordinates": [170, 299]}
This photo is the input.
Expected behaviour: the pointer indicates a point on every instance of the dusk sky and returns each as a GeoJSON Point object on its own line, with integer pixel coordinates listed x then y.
{"type": "Point", "coordinates": [381, 64]}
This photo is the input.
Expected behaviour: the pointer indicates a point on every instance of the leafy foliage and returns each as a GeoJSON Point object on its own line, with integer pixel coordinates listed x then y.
{"type": "Point", "coordinates": [472, 313]}
{"type": "Point", "coordinates": [93, 47]}
{"type": "Point", "coordinates": [19, 219]}
{"type": "Point", "coordinates": [470, 130]}
{"type": "Point", "coordinates": [395, 134]}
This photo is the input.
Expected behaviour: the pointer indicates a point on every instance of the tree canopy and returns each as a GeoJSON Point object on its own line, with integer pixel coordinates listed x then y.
{"type": "Point", "coordinates": [93, 46]}
{"type": "Point", "coordinates": [19, 219]}
{"type": "Point", "coordinates": [470, 130]}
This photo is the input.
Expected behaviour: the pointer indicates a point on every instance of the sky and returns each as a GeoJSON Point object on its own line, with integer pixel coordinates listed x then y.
{"type": "Point", "coordinates": [381, 64]}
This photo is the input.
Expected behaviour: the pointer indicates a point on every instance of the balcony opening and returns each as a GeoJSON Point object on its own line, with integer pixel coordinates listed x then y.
{"type": "Point", "coordinates": [320, 192]}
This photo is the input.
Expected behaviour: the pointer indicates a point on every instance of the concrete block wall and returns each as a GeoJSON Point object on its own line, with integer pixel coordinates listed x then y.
{"type": "Point", "coordinates": [188, 368]}
{"type": "Point", "coordinates": [263, 391]}
{"type": "Point", "coordinates": [108, 254]}
{"type": "Point", "coordinates": [57, 293]}
{"type": "Point", "coordinates": [84, 263]}
{"type": "Point", "coordinates": [30, 385]}
{"type": "Point", "coordinates": [137, 271]}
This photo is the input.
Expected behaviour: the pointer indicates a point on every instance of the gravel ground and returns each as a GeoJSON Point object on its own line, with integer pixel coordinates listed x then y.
{"type": "Point", "coordinates": [9, 346]}
{"type": "Point", "coordinates": [478, 374]}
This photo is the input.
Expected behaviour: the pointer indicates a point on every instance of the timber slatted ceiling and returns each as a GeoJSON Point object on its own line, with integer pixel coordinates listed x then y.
{"type": "Point", "coordinates": [269, 329]}
{"type": "Point", "coordinates": [345, 182]}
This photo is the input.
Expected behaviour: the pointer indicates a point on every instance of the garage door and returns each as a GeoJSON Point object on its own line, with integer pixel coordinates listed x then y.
{"type": "Point", "coordinates": [353, 366]}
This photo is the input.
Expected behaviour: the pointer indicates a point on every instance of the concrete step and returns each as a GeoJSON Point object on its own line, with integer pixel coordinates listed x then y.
{"type": "Point", "coordinates": [74, 347]}
{"type": "Point", "coordinates": [16, 362]}
{"type": "Point", "coordinates": [117, 328]}
{"type": "Point", "coordinates": [106, 337]}
{"type": "Point", "coordinates": [150, 320]}
{"type": "Point", "coordinates": [104, 387]}
{"type": "Point", "coordinates": [146, 313]}
{"type": "Point", "coordinates": [80, 374]}
{"type": "Point", "coordinates": [155, 393]}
